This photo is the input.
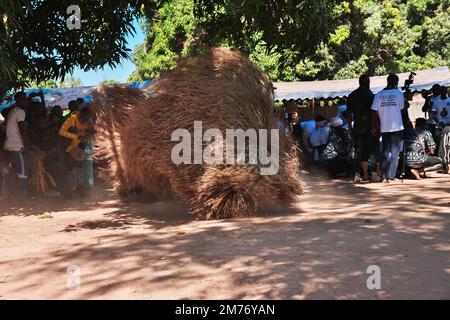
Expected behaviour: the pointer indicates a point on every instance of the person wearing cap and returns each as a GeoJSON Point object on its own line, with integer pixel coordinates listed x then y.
{"type": "Point", "coordinates": [335, 155]}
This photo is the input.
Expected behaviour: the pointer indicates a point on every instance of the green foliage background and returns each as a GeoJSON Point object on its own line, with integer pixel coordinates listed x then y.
{"type": "Point", "coordinates": [289, 39]}
{"type": "Point", "coordinates": [36, 44]}
{"type": "Point", "coordinates": [356, 36]}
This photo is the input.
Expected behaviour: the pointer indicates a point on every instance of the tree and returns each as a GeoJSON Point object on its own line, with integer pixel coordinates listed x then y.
{"type": "Point", "coordinates": [170, 33]}
{"type": "Point", "coordinates": [298, 26]}
{"type": "Point", "coordinates": [370, 36]}
{"type": "Point", "coordinates": [70, 82]}
{"type": "Point", "coordinates": [184, 27]}
{"type": "Point", "coordinates": [303, 40]}
{"type": "Point", "coordinates": [36, 44]}
{"type": "Point", "coordinates": [380, 37]}
{"type": "Point", "coordinates": [8, 22]}
{"type": "Point", "coordinates": [48, 84]}
{"type": "Point", "coordinates": [108, 82]}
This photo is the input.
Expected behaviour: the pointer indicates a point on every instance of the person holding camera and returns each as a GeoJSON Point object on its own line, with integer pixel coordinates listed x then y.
{"type": "Point", "coordinates": [387, 119]}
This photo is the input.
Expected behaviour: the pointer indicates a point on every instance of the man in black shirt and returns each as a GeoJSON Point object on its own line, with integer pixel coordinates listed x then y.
{"type": "Point", "coordinates": [366, 145]}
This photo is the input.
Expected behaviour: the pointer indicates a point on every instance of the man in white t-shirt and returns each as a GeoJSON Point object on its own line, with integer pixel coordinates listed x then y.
{"type": "Point", "coordinates": [388, 105]}
{"type": "Point", "coordinates": [16, 140]}
{"type": "Point", "coordinates": [441, 107]}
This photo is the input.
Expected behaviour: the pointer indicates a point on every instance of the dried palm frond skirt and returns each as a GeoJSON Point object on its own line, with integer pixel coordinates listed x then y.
{"type": "Point", "coordinates": [223, 90]}
{"type": "Point", "coordinates": [41, 180]}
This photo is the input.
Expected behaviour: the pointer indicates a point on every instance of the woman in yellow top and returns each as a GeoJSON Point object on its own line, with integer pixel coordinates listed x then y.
{"type": "Point", "coordinates": [74, 128]}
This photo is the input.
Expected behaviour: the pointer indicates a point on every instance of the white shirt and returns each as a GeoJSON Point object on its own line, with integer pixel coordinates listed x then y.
{"type": "Point", "coordinates": [14, 141]}
{"type": "Point", "coordinates": [317, 136]}
{"type": "Point", "coordinates": [389, 103]}
{"type": "Point", "coordinates": [439, 105]}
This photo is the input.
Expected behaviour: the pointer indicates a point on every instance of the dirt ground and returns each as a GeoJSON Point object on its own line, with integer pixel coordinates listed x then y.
{"type": "Point", "coordinates": [319, 249]}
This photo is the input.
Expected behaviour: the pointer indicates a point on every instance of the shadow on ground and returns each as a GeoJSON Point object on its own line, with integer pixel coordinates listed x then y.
{"type": "Point", "coordinates": [319, 249]}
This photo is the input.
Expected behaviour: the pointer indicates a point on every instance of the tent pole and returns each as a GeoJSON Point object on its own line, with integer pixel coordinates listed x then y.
{"type": "Point", "coordinates": [313, 106]}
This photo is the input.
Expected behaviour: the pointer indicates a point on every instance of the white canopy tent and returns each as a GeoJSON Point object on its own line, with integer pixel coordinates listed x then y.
{"type": "Point", "coordinates": [307, 90]}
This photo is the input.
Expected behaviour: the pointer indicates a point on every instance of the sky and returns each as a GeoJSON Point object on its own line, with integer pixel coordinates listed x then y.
{"type": "Point", "coordinates": [121, 72]}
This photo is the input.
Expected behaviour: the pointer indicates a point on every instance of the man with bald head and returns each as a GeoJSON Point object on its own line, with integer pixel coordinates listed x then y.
{"type": "Point", "coordinates": [359, 111]}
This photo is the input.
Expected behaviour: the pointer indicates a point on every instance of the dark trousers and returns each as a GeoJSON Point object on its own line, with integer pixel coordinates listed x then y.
{"type": "Point", "coordinates": [367, 149]}
{"type": "Point", "coordinates": [391, 146]}
{"type": "Point", "coordinates": [431, 161]}
{"type": "Point", "coordinates": [338, 166]}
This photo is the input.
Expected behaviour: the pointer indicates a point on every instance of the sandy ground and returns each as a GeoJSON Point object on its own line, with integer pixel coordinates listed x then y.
{"type": "Point", "coordinates": [319, 249]}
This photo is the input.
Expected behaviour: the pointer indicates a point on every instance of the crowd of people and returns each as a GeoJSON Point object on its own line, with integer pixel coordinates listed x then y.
{"type": "Point", "coordinates": [61, 142]}
{"type": "Point", "coordinates": [372, 138]}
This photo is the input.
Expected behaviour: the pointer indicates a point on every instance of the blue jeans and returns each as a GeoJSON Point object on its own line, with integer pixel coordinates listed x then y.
{"type": "Point", "coordinates": [391, 146]}
{"type": "Point", "coordinates": [19, 163]}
